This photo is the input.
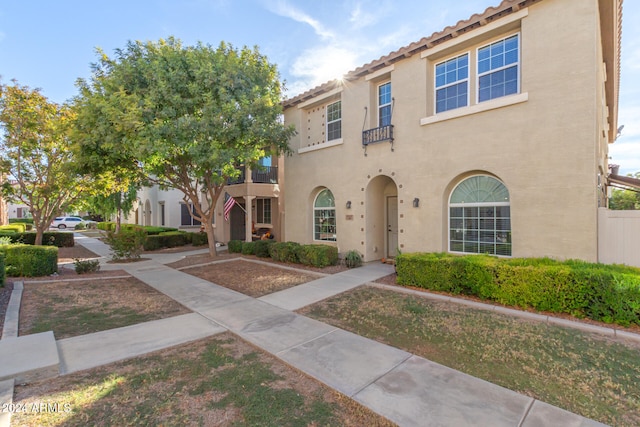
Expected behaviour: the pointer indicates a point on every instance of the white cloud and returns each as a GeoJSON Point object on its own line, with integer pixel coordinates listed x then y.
{"type": "Point", "coordinates": [360, 18]}
{"type": "Point", "coordinates": [320, 65]}
{"type": "Point", "coordinates": [286, 10]}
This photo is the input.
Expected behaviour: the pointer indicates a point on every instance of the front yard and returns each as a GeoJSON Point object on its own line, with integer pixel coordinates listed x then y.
{"type": "Point", "coordinates": [585, 373]}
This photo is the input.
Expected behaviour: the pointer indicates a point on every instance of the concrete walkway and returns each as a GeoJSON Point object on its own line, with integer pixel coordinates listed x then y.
{"type": "Point", "coordinates": [405, 388]}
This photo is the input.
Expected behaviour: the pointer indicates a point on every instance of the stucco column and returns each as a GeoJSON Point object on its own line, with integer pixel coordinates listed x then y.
{"type": "Point", "coordinates": [249, 222]}
{"type": "Point", "coordinates": [248, 176]}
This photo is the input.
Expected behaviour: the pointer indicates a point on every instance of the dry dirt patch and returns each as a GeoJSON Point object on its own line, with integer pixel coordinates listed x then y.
{"type": "Point", "coordinates": [250, 278]}
{"type": "Point", "coordinates": [221, 381]}
{"type": "Point", "coordinates": [72, 308]}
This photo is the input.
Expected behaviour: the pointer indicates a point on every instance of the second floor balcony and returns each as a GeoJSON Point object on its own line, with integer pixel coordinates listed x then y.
{"type": "Point", "coordinates": [260, 175]}
{"type": "Point", "coordinates": [379, 134]}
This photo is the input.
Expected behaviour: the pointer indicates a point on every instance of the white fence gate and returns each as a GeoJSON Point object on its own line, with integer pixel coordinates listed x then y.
{"type": "Point", "coordinates": [619, 237]}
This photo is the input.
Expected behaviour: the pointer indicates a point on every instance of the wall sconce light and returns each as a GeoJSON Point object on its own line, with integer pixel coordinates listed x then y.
{"type": "Point", "coordinates": [416, 202]}
{"type": "Point", "coordinates": [348, 204]}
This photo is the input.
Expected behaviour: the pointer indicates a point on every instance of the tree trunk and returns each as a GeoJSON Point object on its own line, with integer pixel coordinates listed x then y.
{"type": "Point", "coordinates": [118, 212]}
{"type": "Point", "coordinates": [39, 234]}
{"type": "Point", "coordinates": [208, 228]}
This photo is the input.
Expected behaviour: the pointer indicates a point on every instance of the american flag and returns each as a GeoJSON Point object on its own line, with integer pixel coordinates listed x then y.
{"type": "Point", "coordinates": [228, 204]}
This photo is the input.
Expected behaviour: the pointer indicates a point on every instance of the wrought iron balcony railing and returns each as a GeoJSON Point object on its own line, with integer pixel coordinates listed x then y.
{"type": "Point", "coordinates": [260, 175]}
{"type": "Point", "coordinates": [379, 134]}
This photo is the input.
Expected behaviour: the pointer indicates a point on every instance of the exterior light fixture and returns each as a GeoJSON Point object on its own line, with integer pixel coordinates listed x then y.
{"type": "Point", "coordinates": [348, 204]}
{"type": "Point", "coordinates": [416, 202]}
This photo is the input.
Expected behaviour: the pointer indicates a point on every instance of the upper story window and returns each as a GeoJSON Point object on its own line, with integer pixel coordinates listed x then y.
{"type": "Point", "coordinates": [452, 83]}
{"type": "Point", "coordinates": [384, 104]}
{"type": "Point", "coordinates": [334, 121]}
{"type": "Point", "coordinates": [498, 72]}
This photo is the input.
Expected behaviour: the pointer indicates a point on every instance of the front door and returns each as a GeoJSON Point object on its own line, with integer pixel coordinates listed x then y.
{"type": "Point", "coordinates": [238, 222]}
{"type": "Point", "coordinates": [392, 226]}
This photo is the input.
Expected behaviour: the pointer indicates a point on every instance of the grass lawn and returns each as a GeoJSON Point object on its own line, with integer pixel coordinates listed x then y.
{"type": "Point", "coordinates": [221, 381]}
{"type": "Point", "coordinates": [588, 374]}
{"type": "Point", "coordinates": [72, 308]}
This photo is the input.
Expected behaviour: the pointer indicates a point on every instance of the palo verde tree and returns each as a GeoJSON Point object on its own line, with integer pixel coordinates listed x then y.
{"type": "Point", "coordinates": [198, 113]}
{"type": "Point", "coordinates": [36, 154]}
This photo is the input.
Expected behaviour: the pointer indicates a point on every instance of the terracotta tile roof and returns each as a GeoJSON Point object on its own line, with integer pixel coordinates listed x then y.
{"type": "Point", "coordinates": [491, 14]}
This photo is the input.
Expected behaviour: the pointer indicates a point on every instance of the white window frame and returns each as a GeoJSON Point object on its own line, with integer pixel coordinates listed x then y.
{"type": "Point", "coordinates": [333, 121]}
{"type": "Point", "coordinates": [335, 218]}
{"type": "Point", "coordinates": [381, 106]}
{"type": "Point", "coordinates": [463, 205]}
{"type": "Point", "coordinates": [467, 80]}
{"type": "Point", "coordinates": [516, 64]}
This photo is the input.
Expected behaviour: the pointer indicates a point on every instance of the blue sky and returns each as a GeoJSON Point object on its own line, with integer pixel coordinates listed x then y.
{"type": "Point", "coordinates": [49, 44]}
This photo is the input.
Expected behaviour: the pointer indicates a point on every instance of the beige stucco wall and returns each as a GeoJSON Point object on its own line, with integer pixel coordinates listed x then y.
{"type": "Point", "coordinates": [546, 147]}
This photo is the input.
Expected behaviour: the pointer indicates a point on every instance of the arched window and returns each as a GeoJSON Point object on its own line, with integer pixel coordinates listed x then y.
{"type": "Point", "coordinates": [324, 216]}
{"type": "Point", "coordinates": [480, 217]}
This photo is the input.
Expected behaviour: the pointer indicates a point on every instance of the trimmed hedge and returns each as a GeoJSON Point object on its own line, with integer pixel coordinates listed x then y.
{"type": "Point", "coordinates": [199, 239]}
{"type": "Point", "coordinates": [234, 246]}
{"type": "Point", "coordinates": [16, 228]}
{"type": "Point", "coordinates": [249, 248]}
{"type": "Point", "coordinates": [21, 221]}
{"type": "Point", "coordinates": [285, 251]}
{"type": "Point", "coordinates": [2, 271]}
{"type": "Point", "coordinates": [262, 248]}
{"type": "Point", "coordinates": [600, 292]}
{"type": "Point", "coordinates": [167, 239]}
{"type": "Point", "coordinates": [318, 255]}
{"type": "Point", "coordinates": [49, 238]}
{"type": "Point", "coordinates": [30, 261]}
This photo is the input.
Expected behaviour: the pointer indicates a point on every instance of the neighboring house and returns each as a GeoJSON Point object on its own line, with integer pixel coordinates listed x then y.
{"type": "Point", "coordinates": [17, 211]}
{"type": "Point", "coordinates": [490, 136]}
{"type": "Point", "coordinates": [258, 206]}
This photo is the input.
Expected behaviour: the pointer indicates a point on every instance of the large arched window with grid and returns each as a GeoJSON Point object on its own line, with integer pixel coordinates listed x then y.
{"type": "Point", "coordinates": [480, 217]}
{"type": "Point", "coordinates": [324, 216]}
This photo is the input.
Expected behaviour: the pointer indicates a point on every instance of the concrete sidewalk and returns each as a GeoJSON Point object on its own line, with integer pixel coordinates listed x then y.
{"type": "Point", "coordinates": [405, 388]}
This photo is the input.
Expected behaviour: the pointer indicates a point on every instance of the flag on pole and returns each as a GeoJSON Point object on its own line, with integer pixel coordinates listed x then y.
{"type": "Point", "coordinates": [228, 204]}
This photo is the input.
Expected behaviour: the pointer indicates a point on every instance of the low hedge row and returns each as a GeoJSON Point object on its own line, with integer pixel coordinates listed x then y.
{"type": "Point", "coordinates": [171, 239]}
{"type": "Point", "coordinates": [16, 228]}
{"type": "Point", "coordinates": [149, 229]}
{"type": "Point", "coordinates": [314, 255]}
{"type": "Point", "coordinates": [29, 261]}
{"type": "Point", "coordinates": [49, 238]}
{"type": "Point", "coordinates": [600, 292]}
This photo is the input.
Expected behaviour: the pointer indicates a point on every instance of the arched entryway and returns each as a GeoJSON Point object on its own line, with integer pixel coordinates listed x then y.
{"type": "Point", "coordinates": [381, 218]}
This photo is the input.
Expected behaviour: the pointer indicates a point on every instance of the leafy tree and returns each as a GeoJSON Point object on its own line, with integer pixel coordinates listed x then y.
{"type": "Point", "coordinates": [36, 154]}
{"type": "Point", "coordinates": [106, 205]}
{"type": "Point", "coordinates": [107, 124]}
{"type": "Point", "coordinates": [625, 199]}
{"type": "Point", "coordinates": [198, 112]}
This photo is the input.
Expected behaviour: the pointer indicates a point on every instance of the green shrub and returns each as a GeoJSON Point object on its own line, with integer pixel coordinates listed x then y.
{"type": "Point", "coordinates": [16, 227]}
{"type": "Point", "coordinates": [199, 239]}
{"type": "Point", "coordinates": [2, 270]}
{"type": "Point", "coordinates": [318, 255]}
{"type": "Point", "coordinates": [106, 226]}
{"type": "Point", "coordinates": [248, 248]}
{"type": "Point", "coordinates": [153, 230]}
{"type": "Point", "coordinates": [80, 226]}
{"type": "Point", "coordinates": [21, 221]}
{"type": "Point", "coordinates": [86, 266]}
{"type": "Point", "coordinates": [153, 243]}
{"type": "Point", "coordinates": [171, 239]}
{"type": "Point", "coordinates": [285, 251]}
{"type": "Point", "coordinates": [5, 240]}
{"type": "Point", "coordinates": [600, 292]}
{"type": "Point", "coordinates": [128, 244]}
{"type": "Point", "coordinates": [262, 248]}
{"type": "Point", "coordinates": [30, 261]}
{"type": "Point", "coordinates": [353, 259]}
{"type": "Point", "coordinates": [234, 246]}
{"type": "Point", "coordinates": [49, 238]}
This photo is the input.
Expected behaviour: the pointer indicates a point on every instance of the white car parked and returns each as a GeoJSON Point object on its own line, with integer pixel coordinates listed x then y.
{"type": "Point", "coordinates": [63, 222]}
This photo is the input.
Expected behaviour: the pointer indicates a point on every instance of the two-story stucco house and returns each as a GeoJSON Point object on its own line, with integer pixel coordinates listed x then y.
{"type": "Point", "coordinates": [490, 136]}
